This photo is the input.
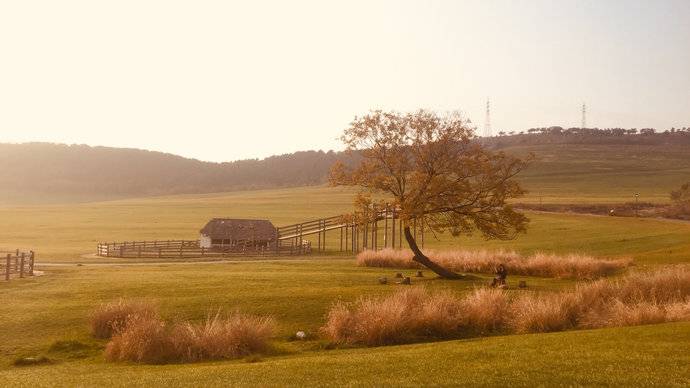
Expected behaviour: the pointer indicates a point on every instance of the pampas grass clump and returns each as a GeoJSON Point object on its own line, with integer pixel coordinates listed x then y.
{"type": "Point", "coordinates": [148, 339]}
{"type": "Point", "coordinates": [570, 266]}
{"type": "Point", "coordinates": [111, 318]}
{"type": "Point", "coordinates": [217, 338]}
{"type": "Point", "coordinates": [415, 314]}
{"type": "Point", "coordinates": [145, 339]}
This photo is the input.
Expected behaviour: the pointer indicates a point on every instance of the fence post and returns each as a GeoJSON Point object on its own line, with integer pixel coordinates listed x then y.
{"type": "Point", "coordinates": [31, 263]}
{"type": "Point", "coordinates": [7, 267]}
{"type": "Point", "coordinates": [21, 266]}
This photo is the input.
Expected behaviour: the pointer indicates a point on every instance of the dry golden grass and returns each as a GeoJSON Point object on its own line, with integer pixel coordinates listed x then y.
{"type": "Point", "coordinates": [234, 336]}
{"type": "Point", "coordinates": [110, 318]}
{"type": "Point", "coordinates": [148, 339]}
{"type": "Point", "coordinates": [542, 313]}
{"type": "Point", "coordinates": [572, 266]}
{"type": "Point", "coordinates": [145, 339]}
{"type": "Point", "coordinates": [415, 313]}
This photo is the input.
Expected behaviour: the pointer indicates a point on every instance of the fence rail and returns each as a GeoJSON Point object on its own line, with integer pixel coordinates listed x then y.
{"type": "Point", "coordinates": [17, 263]}
{"type": "Point", "coordinates": [192, 249]}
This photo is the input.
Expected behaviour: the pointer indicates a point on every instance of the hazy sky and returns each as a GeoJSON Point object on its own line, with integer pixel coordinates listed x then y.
{"type": "Point", "coordinates": [222, 80]}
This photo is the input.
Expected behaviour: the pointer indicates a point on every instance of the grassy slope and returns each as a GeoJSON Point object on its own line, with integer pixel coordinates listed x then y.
{"type": "Point", "coordinates": [42, 310]}
{"type": "Point", "coordinates": [298, 293]}
{"type": "Point", "coordinates": [650, 356]}
{"type": "Point", "coordinates": [586, 173]}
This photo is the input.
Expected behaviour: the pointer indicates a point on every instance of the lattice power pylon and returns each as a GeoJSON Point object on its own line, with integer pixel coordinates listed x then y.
{"type": "Point", "coordinates": [487, 120]}
{"type": "Point", "coordinates": [584, 116]}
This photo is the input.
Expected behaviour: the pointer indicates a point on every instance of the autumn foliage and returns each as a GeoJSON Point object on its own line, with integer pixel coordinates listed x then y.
{"type": "Point", "coordinates": [428, 167]}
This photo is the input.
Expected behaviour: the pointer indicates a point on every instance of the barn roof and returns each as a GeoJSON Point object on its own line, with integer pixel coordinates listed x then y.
{"type": "Point", "coordinates": [239, 229]}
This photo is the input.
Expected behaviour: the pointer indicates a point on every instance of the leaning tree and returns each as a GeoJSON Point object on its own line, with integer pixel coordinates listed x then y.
{"type": "Point", "coordinates": [432, 169]}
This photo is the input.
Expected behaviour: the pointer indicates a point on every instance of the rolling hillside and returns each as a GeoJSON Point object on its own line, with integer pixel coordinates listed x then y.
{"type": "Point", "coordinates": [566, 169]}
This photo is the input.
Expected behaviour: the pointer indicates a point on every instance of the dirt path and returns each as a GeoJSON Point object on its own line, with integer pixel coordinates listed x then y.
{"type": "Point", "coordinates": [672, 220]}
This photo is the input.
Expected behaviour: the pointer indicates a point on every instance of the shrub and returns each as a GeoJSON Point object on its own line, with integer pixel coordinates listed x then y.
{"type": "Point", "coordinates": [485, 310]}
{"type": "Point", "coordinates": [546, 265]}
{"type": "Point", "coordinates": [148, 339]}
{"type": "Point", "coordinates": [542, 313]}
{"type": "Point", "coordinates": [217, 338]}
{"type": "Point", "coordinates": [143, 339]}
{"type": "Point", "coordinates": [110, 318]}
{"type": "Point", "coordinates": [415, 313]}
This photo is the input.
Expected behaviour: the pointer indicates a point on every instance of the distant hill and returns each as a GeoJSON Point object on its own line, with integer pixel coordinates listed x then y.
{"type": "Point", "coordinates": [43, 172]}
{"type": "Point", "coordinates": [584, 165]}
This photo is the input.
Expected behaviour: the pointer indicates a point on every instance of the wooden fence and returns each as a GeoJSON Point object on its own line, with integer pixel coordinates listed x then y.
{"type": "Point", "coordinates": [192, 249]}
{"type": "Point", "coordinates": [17, 263]}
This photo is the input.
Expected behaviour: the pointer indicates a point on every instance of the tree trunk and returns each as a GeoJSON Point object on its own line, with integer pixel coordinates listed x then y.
{"type": "Point", "coordinates": [425, 261]}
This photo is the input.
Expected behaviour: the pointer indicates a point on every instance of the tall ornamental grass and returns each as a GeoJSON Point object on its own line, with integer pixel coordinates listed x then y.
{"type": "Point", "coordinates": [570, 266]}
{"type": "Point", "coordinates": [416, 314]}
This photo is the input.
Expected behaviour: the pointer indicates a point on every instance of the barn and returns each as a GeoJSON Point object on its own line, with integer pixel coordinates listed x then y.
{"type": "Point", "coordinates": [238, 233]}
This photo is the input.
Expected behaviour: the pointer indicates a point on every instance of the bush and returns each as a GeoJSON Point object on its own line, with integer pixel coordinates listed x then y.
{"type": "Point", "coordinates": [143, 339]}
{"type": "Point", "coordinates": [149, 340]}
{"type": "Point", "coordinates": [415, 313]}
{"type": "Point", "coordinates": [567, 266]}
{"type": "Point", "coordinates": [111, 318]}
{"type": "Point", "coordinates": [542, 313]}
{"type": "Point", "coordinates": [218, 338]}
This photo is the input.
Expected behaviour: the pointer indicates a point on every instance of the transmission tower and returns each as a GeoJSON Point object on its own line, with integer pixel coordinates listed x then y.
{"type": "Point", "coordinates": [584, 116]}
{"type": "Point", "coordinates": [487, 120]}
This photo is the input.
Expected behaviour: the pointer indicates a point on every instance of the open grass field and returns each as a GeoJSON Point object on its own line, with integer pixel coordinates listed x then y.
{"type": "Point", "coordinates": [44, 310]}
{"type": "Point", "coordinates": [63, 233]}
{"type": "Point", "coordinates": [587, 173]}
{"type": "Point", "coordinates": [39, 312]}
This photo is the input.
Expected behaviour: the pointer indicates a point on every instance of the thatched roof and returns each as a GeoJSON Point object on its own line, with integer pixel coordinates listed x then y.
{"type": "Point", "coordinates": [238, 229]}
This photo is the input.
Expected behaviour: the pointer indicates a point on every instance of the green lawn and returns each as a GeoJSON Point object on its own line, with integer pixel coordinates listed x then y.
{"type": "Point", "coordinates": [37, 312]}
{"type": "Point", "coordinates": [54, 307]}
{"type": "Point", "coordinates": [636, 356]}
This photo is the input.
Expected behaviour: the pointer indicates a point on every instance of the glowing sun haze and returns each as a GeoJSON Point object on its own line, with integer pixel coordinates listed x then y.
{"type": "Point", "coordinates": [221, 80]}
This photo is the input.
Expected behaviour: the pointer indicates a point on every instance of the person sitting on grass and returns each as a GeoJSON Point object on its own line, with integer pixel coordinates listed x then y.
{"type": "Point", "coordinates": [500, 279]}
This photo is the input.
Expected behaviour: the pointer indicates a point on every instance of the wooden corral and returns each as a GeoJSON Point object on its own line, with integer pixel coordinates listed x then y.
{"type": "Point", "coordinates": [377, 229]}
{"type": "Point", "coordinates": [356, 233]}
{"type": "Point", "coordinates": [192, 249]}
{"type": "Point", "coordinates": [16, 263]}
